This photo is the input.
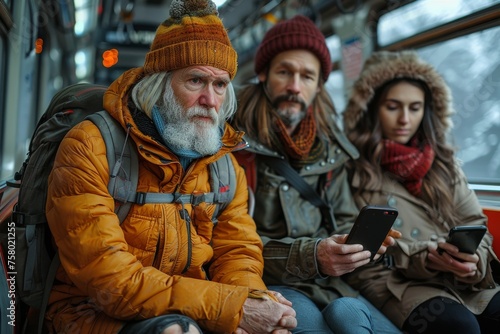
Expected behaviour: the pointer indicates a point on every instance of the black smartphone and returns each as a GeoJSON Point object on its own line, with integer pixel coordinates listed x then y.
{"type": "Point", "coordinates": [371, 227]}
{"type": "Point", "coordinates": [466, 238]}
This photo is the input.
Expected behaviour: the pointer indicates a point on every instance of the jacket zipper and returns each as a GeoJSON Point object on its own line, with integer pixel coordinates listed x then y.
{"type": "Point", "coordinates": [185, 216]}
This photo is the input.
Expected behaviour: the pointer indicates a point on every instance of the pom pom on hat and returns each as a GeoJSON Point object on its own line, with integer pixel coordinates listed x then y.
{"type": "Point", "coordinates": [193, 35]}
{"type": "Point", "coordinates": [297, 33]}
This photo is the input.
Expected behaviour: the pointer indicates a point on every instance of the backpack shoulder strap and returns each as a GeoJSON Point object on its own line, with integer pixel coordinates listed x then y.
{"type": "Point", "coordinates": [51, 276]}
{"type": "Point", "coordinates": [223, 183]}
{"type": "Point", "coordinates": [122, 160]}
{"type": "Point", "coordinates": [124, 172]}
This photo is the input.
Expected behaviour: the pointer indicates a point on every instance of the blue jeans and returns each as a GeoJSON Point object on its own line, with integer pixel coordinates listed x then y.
{"type": "Point", "coordinates": [381, 324]}
{"type": "Point", "coordinates": [344, 315]}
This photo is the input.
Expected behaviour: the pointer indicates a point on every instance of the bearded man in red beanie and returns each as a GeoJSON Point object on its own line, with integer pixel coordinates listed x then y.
{"type": "Point", "coordinates": [295, 165]}
{"type": "Point", "coordinates": [169, 266]}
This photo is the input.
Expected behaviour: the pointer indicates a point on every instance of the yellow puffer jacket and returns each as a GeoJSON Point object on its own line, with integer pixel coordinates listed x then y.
{"type": "Point", "coordinates": [140, 269]}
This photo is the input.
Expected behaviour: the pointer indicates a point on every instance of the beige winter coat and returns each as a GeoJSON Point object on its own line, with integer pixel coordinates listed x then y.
{"type": "Point", "coordinates": [398, 290]}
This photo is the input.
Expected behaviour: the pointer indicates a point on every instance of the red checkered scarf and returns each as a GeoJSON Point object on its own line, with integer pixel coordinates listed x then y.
{"type": "Point", "coordinates": [410, 163]}
{"type": "Point", "coordinates": [298, 146]}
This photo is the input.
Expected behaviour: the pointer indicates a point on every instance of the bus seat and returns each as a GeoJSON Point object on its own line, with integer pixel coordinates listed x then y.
{"type": "Point", "coordinates": [493, 215]}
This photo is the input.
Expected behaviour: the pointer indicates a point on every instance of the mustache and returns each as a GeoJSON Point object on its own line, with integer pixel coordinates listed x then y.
{"type": "Point", "coordinates": [289, 98]}
{"type": "Point", "coordinates": [202, 112]}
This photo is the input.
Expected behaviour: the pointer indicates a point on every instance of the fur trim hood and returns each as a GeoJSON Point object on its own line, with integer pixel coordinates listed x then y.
{"type": "Point", "coordinates": [384, 66]}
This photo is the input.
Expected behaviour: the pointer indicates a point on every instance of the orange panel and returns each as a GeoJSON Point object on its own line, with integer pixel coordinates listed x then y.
{"type": "Point", "coordinates": [494, 227]}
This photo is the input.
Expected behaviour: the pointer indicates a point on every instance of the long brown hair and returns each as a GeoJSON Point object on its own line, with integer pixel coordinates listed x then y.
{"type": "Point", "coordinates": [367, 137]}
{"type": "Point", "coordinates": [255, 115]}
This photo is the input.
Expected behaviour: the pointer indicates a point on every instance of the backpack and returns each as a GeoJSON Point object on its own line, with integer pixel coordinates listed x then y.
{"type": "Point", "coordinates": [36, 257]}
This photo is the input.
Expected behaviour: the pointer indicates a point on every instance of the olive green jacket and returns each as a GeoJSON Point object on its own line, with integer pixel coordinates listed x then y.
{"type": "Point", "coordinates": [291, 226]}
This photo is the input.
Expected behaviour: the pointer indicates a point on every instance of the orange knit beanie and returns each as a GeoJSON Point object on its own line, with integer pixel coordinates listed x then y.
{"type": "Point", "coordinates": [193, 35]}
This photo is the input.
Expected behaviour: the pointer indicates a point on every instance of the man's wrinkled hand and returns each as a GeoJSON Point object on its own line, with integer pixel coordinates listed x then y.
{"type": "Point", "coordinates": [336, 258]}
{"type": "Point", "coordinates": [267, 316]}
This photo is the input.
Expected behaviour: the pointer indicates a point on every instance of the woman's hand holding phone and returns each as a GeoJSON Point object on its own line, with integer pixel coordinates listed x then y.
{"type": "Point", "coordinates": [466, 238]}
{"type": "Point", "coordinates": [456, 253]}
{"type": "Point", "coordinates": [389, 239]}
{"type": "Point", "coordinates": [446, 257]}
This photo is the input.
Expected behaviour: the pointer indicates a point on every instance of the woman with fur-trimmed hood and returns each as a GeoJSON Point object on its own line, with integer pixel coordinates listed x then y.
{"type": "Point", "coordinates": [398, 117]}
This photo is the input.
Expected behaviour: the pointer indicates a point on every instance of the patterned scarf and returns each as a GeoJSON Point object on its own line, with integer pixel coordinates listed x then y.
{"type": "Point", "coordinates": [299, 144]}
{"type": "Point", "coordinates": [410, 162]}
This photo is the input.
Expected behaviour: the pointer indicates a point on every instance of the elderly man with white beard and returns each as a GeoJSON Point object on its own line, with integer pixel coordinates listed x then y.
{"type": "Point", "coordinates": [167, 267]}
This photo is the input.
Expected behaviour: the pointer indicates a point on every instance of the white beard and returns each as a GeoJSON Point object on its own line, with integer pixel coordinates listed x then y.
{"type": "Point", "coordinates": [183, 132]}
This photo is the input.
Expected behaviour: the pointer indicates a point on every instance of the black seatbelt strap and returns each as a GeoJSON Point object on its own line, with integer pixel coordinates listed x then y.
{"type": "Point", "coordinates": [306, 191]}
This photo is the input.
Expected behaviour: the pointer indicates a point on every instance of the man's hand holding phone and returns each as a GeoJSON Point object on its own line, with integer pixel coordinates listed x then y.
{"type": "Point", "coordinates": [336, 258]}
{"type": "Point", "coordinates": [368, 239]}
{"type": "Point", "coordinates": [372, 229]}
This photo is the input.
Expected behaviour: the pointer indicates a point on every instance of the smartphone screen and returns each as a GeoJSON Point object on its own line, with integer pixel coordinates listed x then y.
{"type": "Point", "coordinates": [467, 238]}
{"type": "Point", "coordinates": [371, 227]}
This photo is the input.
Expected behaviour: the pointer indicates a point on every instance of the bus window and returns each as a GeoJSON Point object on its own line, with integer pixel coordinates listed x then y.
{"type": "Point", "coordinates": [335, 87]}
{"type": "Point", "coordinates": [3, 45]}
{"type": "Point", "coordinates": [7, 3]}
{"type": "Point", "coordinates": [85, 17]}
{"type": "Point", "coordinates": [464, 52]}
{"type": "Point", "coordinates": [423, 15]}
{"type": "Point", "coordinates": [84, 61]}
{"type": "Point", "coordinates": [5, 25]}
{"type": "Point", "coordinates": [470, 65]}
{"type": "Point", "coordinates": [335, 84]}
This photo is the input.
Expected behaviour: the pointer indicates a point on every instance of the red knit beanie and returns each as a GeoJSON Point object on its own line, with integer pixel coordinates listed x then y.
{"type": "Point", "coordinates": [193, 35]}
{"type": "Point", "coordinates": [297, 33]}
